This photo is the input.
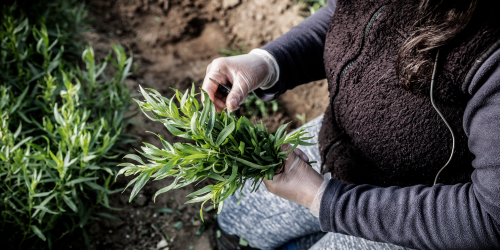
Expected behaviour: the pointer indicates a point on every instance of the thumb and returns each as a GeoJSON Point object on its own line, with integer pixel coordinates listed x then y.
{"type": "Point", "coordinates": [237, 96]}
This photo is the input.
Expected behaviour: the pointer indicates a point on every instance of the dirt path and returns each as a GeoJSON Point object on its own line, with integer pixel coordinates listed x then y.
{"type": "Point", "coordinates": [173, 41]}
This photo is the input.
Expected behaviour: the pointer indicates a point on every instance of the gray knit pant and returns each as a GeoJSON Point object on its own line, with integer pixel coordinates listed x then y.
{"type": "Point", "coordinates": [267, 221]}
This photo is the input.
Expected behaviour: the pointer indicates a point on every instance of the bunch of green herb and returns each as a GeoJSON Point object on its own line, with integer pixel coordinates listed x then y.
{"type": "Point", "coordinates": [226, 149]}
{"type": "Point", "coordinates": [60, 126]}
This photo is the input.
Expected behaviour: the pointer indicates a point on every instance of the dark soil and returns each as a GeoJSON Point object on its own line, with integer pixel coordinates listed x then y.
{"type": "Point", "coordinates": [173, 41]}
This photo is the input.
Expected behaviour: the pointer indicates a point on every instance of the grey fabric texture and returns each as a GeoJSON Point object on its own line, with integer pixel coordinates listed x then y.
{"type": "Point", "coordinates": [267, 221]}
{"type": "Point", "coordinates": [335, 241]}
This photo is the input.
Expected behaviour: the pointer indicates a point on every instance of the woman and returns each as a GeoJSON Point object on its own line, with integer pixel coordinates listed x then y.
{"type": "Point", "coordinates": [414, 86]}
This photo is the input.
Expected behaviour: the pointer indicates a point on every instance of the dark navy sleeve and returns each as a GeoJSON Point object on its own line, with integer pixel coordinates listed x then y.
{"type": "Point", "coordinates": [299, 53]}
{"type": "Point", "coordinates": [462, 216]}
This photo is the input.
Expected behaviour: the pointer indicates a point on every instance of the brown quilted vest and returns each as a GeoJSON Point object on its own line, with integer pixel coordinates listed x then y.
{"type": "Point", "coordinates": [377, 132]}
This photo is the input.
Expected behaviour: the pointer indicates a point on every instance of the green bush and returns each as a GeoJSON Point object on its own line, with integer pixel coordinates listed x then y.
{"type": "Point", "coordinates": [61, 122]}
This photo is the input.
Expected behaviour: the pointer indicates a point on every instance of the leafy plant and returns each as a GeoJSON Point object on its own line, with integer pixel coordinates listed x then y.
{"type": "Point", "coordinates": [226, 149]}
{"type": "Point", "coordinates": [255, 106]}
{"type": "Point", "coordinates": [312, 5]}
{"type": "Point", "coordinates": [302, 118]}
{"type": "Point", "coordinates": [60, 125]}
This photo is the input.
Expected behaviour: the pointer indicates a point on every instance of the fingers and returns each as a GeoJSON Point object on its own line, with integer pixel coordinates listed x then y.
{"type": "Point", "coordinates": [301, 154]}
{"type": "Point", "coordinates": [217, 70]}
{"type": "Point", "coordinates": [293, 157]}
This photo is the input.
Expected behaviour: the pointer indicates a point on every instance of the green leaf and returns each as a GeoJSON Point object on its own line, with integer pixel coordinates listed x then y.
{"type": "Point", "coordinates": [75, 181]}
{"type": "Point", "coordinates": [278, 133]}
{"type": "Point", "coordinates": [38, 232]}
{"type": "Point", "coordinates": [167, 167]}
{"type": "Point", "coordinates": [208, 188]}
{"type": "Point", "coordinates": [45, 209]}
{"type": "Point", "coordinates": [143, 178]}
{"type": "Point", "coordinates": [165, 210]}
{"type": "Point", "coordinates": [211, 121]}
{"type": "Point", "coordinates": [173, 130]}
{"type": "Point", "coordinates": [253, 165]}
{"type": "Point", "coordinates": [206, 107]}
{"type": "Point", "coordinates": [200, 199]}
{"type": "Point", "coordinates": [224, 133]}
{"type": "Point", "coordinates": [215, 176]}
{"type": "Point", "coordinates": [20, 143]}
{"type": "Point", "coordinates": [226, 166]}
{"type": "Point", "coordinates": [167, 188]}
{"type": "Point", "coordinates": [243, 242]}
{"type": "Point", "coordinates": [97, 187]}
{"type": "Point", "coordinates": [291, 149]}
{"type": "Point", "coordinates": [88, 158]}
{"type": "Point", "coordinates": [149, 100]}
{"type": "Point", "coordinates": [194, 125]}
{"type": "Point", "coordinates": [109, 216]}
{"type": "Point", "coordinates": [70, 203]}
{"type": "Point", "coordinates": [43, 194]}
{"type": "Point", "coordinates": [242, 148]}
{"type": "Point", "coordinates": [184, 98]}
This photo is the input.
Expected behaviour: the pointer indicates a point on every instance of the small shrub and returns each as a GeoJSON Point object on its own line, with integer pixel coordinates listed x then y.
{"type": "Point", "coordinates": [60, 125]}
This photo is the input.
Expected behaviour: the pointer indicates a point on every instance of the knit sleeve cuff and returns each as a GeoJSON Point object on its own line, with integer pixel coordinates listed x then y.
{"type": "Point", "coordinates": [327, 208]}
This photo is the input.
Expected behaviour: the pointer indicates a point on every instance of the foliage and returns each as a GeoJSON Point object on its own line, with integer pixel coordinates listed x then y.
{"type": "Point", "coordinates": [225, 149]}
{"type": "Point", "coordinates": [312, 5]}
{"type": "Point", "coordinates": [60, 126]}
{"type": "Point", "coordinates": [234, 51]}
{"type": "Point", "coordinates": [302, 118]}
{"type": "Point", "coordinates": [239, 47]}
{"type": "Point", "coordinates": [257, 107]}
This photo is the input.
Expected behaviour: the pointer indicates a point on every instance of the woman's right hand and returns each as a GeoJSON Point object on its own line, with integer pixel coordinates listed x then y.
{"type": "Point", "coordinates": [246, 73]}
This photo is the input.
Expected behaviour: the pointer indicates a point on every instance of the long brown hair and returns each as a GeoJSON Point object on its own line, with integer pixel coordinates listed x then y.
{"type": "Point", "coordinates": [438, 22]}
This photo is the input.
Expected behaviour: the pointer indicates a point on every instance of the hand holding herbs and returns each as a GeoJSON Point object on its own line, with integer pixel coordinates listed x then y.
{"type": "Point", "coordinates": [226, 149]}
{"type": "Point", "coordinates": [297, 172]}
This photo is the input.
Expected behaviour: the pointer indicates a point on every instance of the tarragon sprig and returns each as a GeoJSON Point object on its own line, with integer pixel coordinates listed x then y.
{"type": "Point", "coordinates": [225, 148]}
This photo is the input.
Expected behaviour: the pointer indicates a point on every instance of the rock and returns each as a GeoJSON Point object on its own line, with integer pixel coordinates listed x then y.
{"type": "Point", "coordinates": [161, 244]}
{"type": "Point", "coordinates": [140, 200]}
{"type": "Point", "coordinates": [227, 4]}
{"type": "Point", "coordinates": [222, 23]}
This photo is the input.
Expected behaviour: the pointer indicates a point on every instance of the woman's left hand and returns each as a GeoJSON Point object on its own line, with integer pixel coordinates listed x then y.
{"type": "Point", "coordinates": [298, 182]}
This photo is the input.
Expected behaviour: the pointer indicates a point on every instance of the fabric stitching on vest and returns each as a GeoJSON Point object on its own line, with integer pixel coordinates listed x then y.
{"type": "Point", "coordinates": [368, 27]}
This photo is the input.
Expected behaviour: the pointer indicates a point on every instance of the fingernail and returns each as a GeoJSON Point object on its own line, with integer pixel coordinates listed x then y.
{"type": "Point", "coordinates": [232, 106]}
